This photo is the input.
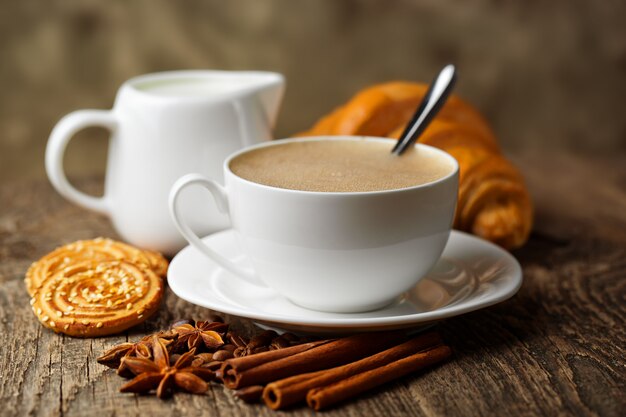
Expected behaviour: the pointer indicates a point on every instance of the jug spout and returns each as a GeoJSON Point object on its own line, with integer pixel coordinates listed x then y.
{"type": "Point", "coordinates": [257, 108]}
{"type": "Point", "coordinates": [270, 95]}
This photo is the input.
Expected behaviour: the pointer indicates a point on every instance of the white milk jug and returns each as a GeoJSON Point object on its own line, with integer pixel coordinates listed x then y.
{"type": "Point", "coordinates": [163, 126]}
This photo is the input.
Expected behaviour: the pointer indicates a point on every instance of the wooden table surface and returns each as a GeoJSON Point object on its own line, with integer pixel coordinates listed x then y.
{"type": "Point", "coordinates": [556, 348]}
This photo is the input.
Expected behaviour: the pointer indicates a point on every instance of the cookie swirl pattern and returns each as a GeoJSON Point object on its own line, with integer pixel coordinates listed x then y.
{"type": "Point", "coordinates": [97, 298]}
{"type": "Point", "coordinates": [99, 249]}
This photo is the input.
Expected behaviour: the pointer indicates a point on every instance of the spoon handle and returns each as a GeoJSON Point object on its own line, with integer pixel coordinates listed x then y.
{"type": "Point", "coordinates": [435, 97]}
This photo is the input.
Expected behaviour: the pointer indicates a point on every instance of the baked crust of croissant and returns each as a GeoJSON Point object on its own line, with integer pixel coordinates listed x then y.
{"type": "Point", "coordinates": [494, 202]}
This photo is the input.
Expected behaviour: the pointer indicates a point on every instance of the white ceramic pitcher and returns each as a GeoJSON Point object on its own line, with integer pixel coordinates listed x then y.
{"type": "Point", "coordinates": [163, 126]}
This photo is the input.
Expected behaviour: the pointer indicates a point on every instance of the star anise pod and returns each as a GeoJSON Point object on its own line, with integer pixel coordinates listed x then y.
{"type": "Point", "coordinates": [159, 375]}
{"type": "Point", "coordinates": [166, 335]}
{"type": "Point", "coordinates": [142, 349]}
{"type": "Point", "coordinates": [113, 357]}
{"type": "Point", "coordinates": [202, 334]}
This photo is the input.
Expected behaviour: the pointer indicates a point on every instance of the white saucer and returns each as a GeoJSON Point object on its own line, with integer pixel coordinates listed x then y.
{"type": "Point", "coordinates": [471, 274]}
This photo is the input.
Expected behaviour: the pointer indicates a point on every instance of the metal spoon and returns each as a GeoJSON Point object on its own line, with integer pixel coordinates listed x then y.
{"type": "Point", "coordinates": [435, 97]}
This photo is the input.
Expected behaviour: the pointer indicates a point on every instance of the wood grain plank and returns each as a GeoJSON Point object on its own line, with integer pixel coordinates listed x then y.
{"type": "Point", "coordinates": [556, 348]}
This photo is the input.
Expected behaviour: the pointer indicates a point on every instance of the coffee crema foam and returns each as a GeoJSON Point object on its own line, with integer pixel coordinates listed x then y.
{"type": "Point", "coordinates": [339, 166]}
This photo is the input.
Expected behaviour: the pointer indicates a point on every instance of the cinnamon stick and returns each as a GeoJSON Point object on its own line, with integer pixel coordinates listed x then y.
{"type": "Point", "coordinates": [250, 361]}
{"type": "Point", "coordinates": [324, 397]}
{"type": "Point", "coordinates": [251, 394]}
{"type": "Point", "coordinates": [323, 356]}
{"type": "Point", "coordinates": [285, 392]}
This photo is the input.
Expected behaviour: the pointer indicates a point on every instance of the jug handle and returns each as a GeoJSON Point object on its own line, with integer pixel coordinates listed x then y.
{"type": "Point", "coordinates": [55, 150]}
{"type": "Point", "coordinates": [221, 199]}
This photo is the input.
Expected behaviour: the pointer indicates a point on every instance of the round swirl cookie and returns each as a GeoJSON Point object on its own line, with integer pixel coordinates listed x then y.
{"type": "Point", "coordinates": [97, 298]}
{"type": "Point", "coordinates": [99, 249]}
{"type": "Point", "coordinates": [157, 262]}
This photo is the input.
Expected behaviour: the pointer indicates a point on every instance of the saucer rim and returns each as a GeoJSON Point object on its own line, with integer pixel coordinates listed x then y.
{"type": "Point", "coordinates": [504, 292]}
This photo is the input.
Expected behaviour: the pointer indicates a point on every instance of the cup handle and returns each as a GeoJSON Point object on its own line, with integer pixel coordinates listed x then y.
{"type": "Point", "coordinates": [221, 199]}
{"type": "Point", "coordinates": [59, 138]}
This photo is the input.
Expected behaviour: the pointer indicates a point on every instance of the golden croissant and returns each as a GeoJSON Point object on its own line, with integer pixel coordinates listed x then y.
{"type": "Point", "coordinates": [494, 202]}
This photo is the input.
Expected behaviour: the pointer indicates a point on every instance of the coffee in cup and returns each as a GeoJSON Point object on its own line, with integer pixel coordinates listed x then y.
{"type": "Point", "coordinates": [333, 223]}
{"type": "Point", "coordinates": [338, 166]}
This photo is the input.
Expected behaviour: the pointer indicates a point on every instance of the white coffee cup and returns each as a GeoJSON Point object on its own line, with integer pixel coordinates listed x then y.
{"type": "Point", "coordinates": [338, 252]}
{"type": "Point", "coordinates": [165, 125]}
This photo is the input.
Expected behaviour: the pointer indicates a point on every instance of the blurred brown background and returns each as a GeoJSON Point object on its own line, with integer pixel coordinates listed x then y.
{"type": "Point", "coordinates": [546, 74]}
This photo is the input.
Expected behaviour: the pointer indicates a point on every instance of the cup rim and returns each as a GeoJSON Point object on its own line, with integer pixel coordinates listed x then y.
{"type": "Point", "coordinates": [132, 84]}
{"type": "Point", "coordinates": [276, 142]}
